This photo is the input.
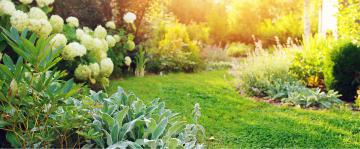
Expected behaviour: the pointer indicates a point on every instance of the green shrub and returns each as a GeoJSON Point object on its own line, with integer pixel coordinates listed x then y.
{"type": "Point", "coordinates": [309, 62]}
{"type": "Point", "coordinates": [32, 96]}
{"type": "Point", "coordinates": [171, 49]}
{"type": "Point", "coordinates": [199, 33]}
{"type": "Point", "coordinates": [238, 49]}
{"type": "Point", "coordinates": [39, 110]}
{"type": "Point", "coordinates": [124, 121]}
{"type": "Point", "coordinates": [259, 71]}
{"type": "Point", "coordinates": [344, 70]}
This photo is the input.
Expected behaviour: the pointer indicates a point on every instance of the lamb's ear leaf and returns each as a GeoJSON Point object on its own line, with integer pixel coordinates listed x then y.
{"type": "Point", "coordinates": [159, 129]}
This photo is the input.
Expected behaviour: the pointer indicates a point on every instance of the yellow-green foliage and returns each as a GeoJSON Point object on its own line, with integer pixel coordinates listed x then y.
{"type": "Point", "coordinates": [349, 16]}
{"type": "Point", "coordinates": [310, 60]}
{"type": "Point", "coordinates": [173, 49]}
{"type": "Point", "coordinates": [199, 33]}
{"type": "Point", "coordinates": [238, 49]}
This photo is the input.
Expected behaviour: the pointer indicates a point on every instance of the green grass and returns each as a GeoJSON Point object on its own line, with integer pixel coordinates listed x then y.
{"type": "Point", "coordinates": [237, 121]}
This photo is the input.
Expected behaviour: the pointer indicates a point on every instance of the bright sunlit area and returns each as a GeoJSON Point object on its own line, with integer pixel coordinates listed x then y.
{"type": "Point", "coordinates": [172, 74]}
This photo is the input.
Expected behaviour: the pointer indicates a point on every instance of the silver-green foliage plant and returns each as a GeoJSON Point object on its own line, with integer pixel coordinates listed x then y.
{"type": "Point", "coordinates": [31, 94]}
{"type": "Point", "coordinates": [259, 70]}
{"type": "Point", "coordinates": [307, 98]}
{"type": "Point", "coordinates": [269, 75]}
{"type": "Point", "coordinates": [296, 93]}
{"type": "Point", "coordinates": [124, 121]}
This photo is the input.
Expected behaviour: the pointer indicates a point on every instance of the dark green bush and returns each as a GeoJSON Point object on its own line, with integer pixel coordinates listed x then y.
{"type": "Point", "coordinates": [345, 70]}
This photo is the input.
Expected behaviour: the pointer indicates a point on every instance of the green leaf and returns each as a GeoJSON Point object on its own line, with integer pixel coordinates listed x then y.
{"type": "Point", "coordinates": [146, 143]}
{"type": "Point", "coordinates": [108, 119]}
{"type": "Point", "coordinates": [128, 127]}
{"type": "Point", "coordinates": [108, 138]}
{"type": "Point", "coordinates": [172, 143]}
{"type": "Point", "coordinates": [5, 70]}
{"type": "Point", "coordinates": [174, 129]}
{"type": "Point", "coordinates": [124, 145]}
{"type": "Point", "coordinates": [114, 131]}
{"type": "Point", "coordinates": [121, 115]}
{"type": "Point", "coordinates": [8, 62]}
{"type": "Point", "coordinates": [3, 123]}
{"type": "Point", "coordinates": [159, 129]}
{"type": "Point", "coordinates": [12, 139]}
{"type": "Point", "coordinates": [28, 45]}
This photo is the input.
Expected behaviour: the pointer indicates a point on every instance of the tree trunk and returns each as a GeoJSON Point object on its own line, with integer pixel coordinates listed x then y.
{"type": "Point", "coordinates": [307, 23]}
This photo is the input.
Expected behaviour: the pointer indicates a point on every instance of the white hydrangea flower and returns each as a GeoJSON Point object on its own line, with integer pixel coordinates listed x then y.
{"type": "Point", "coordinates": [19, 20]}
{"type": "Point", "coordinates": [111, 41]}
{"type": "Point", "coordinates": [110, 25]}
{"type": "Point", "coordinates": [41, 27]}
{"type": "Point", "coordinates": [128, 61]}
{"type": "Point", "coordinates": [73, 50]}
{"type": "Point", "coordinates": [57, 23]}
{"type": "Point", "coordinates": [87, 30]}
{"type": "Point", "coordinates": [82, 72]}
{"type": "Point", "coordinates": [99, 55]}
{"type": "Point", "coordinates": [106, 67]}
{"type": "Point", "coordinates": [58, 41]}
{"type": "Point", "coordinates": [26, 1]}
{"type": "Point", "coordinates": [97, 44]}
{"type": "Point", "coordinates": [37, 13]}
{"type": "Point", "coordinates": [129, 17]}
{"type": "Point", "coordinates": [72, 21]}
{"type": "Point", "coordinates": [117, 38]}
{"type": "Point", "coordinates": [95, 70]}
{"type": "Point", "coordinates": [130, 45]}
{"type": "Point", "coordinates": [104, 45]}
{"type": "Point", "coordinates": [87, 41]}
{"type": "Point", "coordinates": [7, 7]}
{"type": "Point", "coordinates": [43, 3]}
{"type": "Point", "coordinates": [34, 25]}
{"type": "Point", "coordinates": [100, 32]}
{"type": "Point", "coordinates": [79, 33]}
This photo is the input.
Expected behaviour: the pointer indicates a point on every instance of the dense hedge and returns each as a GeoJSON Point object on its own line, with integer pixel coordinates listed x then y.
{"type": "Point", "coordinates": [345, 70]}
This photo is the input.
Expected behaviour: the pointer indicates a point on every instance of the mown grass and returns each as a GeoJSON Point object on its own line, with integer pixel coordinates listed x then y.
{"type": "Point", "coordinates": [237, 121]}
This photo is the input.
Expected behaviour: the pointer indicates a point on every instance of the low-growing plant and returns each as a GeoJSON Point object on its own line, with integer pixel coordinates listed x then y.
{"type": "Point", "coordinates": [261, 69]}
{"type": "Point", "coordinates": [140, 61]}
{"type": "Point", "coordinates": [218, 65]}
{"type": "Point", "coordinates": [238, 49]}
{"type": "Point", "coordinates": [306, 98]}
{"type": "Point", "coordinates": [296, 93]}
{"type": "Point", "coordinates": [214, 54]}
{"type": "Point", "coordinates": [124, 121]}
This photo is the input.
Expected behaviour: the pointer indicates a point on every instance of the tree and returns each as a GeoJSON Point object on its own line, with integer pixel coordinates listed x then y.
{"type": "Point", "coordinates": [307, 22]}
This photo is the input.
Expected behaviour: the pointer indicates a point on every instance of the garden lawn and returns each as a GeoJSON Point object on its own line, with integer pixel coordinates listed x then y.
{"type": "Point", "coordinates": [237, 121]}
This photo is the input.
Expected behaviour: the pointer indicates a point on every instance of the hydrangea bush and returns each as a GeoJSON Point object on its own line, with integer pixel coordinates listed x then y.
{"type": "Point", "coordinates": [85, 50]}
